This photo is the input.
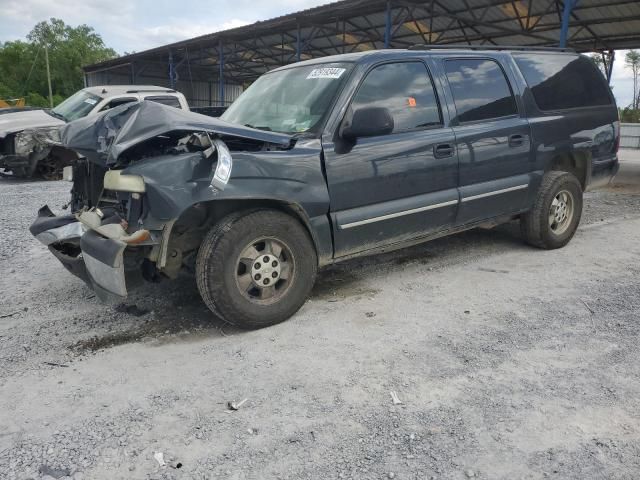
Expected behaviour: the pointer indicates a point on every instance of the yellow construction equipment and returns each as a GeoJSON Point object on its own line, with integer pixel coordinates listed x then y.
{"type": "Point", "coordinates": [11, 102]}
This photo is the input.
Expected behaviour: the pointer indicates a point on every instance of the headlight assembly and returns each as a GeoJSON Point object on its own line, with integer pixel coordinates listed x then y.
{"type": "Point", "coordinates": [36, 139]}
{"type": "Point", "coordinates": [223, 165]}
{"type": "Point", "coordinates": [49, 135]}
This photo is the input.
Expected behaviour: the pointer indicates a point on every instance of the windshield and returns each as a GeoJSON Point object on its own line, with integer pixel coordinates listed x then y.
{"type": "Point", "coordinates": [76, 106]}
{"type": "Point", "coordinates": [294, 100]}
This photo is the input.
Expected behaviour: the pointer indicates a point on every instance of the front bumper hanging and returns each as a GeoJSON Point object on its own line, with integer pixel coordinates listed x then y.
{"type": "Point", "coordinates": [103, 258]}
{"type": "Point", "coordinates": [88, 253]}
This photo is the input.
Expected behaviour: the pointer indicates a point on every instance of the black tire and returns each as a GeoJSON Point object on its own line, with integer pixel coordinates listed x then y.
{"type": "Point", "coordinates": [536, 226]}
{"type": "Point", "coordinates": [218, 265]}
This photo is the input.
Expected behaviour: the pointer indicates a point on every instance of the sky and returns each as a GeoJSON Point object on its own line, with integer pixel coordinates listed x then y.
{"type": "Point", "coordinates": [142, 24]}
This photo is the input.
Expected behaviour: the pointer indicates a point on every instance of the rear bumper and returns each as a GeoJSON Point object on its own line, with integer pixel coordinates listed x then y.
{"type": "Point", "coordinates": [97, 260]}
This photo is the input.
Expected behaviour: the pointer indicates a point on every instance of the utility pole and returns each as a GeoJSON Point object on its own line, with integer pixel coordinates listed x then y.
{"type": "Point", "coordinates": [46, 59]}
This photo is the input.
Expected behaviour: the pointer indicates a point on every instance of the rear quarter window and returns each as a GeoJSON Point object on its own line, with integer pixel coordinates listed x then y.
{"type": "Point", "coordinates": [561, 81]}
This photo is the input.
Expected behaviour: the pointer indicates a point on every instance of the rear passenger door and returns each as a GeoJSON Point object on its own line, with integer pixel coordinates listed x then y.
{"type": "Point", "coordinates": [493, 141]}
{"type": "Point", "coordinates": [395, 187]}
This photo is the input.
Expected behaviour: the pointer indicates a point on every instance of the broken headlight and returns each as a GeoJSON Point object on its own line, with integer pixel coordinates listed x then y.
{"type": "Point", "coordinates": [49, 135]}
{"type": "Point", "coordinates": [36, 139]}
{"type": "Point", "coordinates": [223, 165]}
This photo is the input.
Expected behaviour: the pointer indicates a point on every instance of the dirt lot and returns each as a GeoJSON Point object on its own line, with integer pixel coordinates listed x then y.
{"type": "Point", "coordinates": [510, 362]}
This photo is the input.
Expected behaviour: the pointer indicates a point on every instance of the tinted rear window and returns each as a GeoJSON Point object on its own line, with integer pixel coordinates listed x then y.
{"type": "Point", "coordinates": [560, 81]}
{"type": "Point", "coordinates": [480, 89]}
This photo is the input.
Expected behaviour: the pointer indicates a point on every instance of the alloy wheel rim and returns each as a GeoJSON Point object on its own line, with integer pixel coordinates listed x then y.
{"type": "Point", "coordinates": [561, 212]}
{"type": "Point", "coordinates": [264, 270]}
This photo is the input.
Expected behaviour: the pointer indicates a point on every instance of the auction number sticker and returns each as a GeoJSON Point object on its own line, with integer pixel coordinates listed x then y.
{"type": "Point", "coordinates": [90, 101]}
{"type": "Point", "coordinates": [326, 72]}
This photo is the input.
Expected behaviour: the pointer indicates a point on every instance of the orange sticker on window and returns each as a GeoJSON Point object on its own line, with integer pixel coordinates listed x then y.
{"type": "Point", "coordinates": [411, 101]}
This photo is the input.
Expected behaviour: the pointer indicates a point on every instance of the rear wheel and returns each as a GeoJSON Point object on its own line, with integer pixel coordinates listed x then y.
{"type": "Point", "coordinates": [256, 269]}
{"type": "Point", "coordinates": [555, 216]}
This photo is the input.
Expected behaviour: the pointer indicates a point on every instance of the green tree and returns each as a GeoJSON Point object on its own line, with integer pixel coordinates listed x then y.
{"type": "Point", "coordinates": [599, 61]}
{"type": "Point", "coordinates": [22, 63]}
{"type": "Point", "coordinates": [632, 61]}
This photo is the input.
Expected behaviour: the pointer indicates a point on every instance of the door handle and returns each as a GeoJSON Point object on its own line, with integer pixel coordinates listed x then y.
{"type": "Point", "coordinates": [443, 150]}
{"type": "Point", "coordinates": [516, 140]}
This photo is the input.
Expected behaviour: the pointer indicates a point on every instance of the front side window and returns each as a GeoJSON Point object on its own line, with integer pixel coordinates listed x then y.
{"type": "Point", "coordinates": [480, 89]}
{"type": "Point", "coordinates": [560, 81]}
{"type": "Point", "coordinates": [76, 106]}
{"type": "Point", "coordinates": [293, 100]}
{"type": "Point", "coordinates": [405, 89]}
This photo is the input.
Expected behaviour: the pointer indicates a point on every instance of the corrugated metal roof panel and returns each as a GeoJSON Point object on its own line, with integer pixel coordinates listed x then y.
{"type": "Point", "coordinates": [352, 25]}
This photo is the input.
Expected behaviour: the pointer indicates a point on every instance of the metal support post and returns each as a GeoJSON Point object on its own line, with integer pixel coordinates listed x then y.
{"type": "Point", "coordinates": [221, 73]}
{"type": "Point", "coordinates": [387, 26]}
{"type": "Point", "coordinates": [172, 71]}
{"type": "Point", "coordinates": [612, 57]}
{"type": "Point", "coordinates": [569, 5]}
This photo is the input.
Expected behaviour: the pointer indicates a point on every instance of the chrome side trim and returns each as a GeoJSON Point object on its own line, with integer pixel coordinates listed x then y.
{"type": "Point", "coordinates": [495, 192]}
{"type": "Point", "coordinates": [397, 214]}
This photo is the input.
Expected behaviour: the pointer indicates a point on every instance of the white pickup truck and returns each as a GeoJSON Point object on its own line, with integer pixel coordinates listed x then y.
{"type": "Point", "coordinates": [28, 138]}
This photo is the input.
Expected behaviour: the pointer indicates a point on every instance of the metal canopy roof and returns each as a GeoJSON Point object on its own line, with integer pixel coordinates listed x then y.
{"type": "Point", "coordinates": [242, 54]}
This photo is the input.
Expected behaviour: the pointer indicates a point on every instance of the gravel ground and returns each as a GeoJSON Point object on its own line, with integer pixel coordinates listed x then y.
{"type": "Point", "coordinates": [510, 363]}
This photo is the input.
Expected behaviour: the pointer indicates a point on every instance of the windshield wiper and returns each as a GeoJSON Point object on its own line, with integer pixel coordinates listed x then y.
{"type": "Point", "coordinates": [53, 113]}
{"type": "Point", "coordinates": [266, 129]}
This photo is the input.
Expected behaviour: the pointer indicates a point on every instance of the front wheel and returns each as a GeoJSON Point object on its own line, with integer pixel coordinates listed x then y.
{"type": "Point", "coordinates": [555, 216]}
{"type": "Point", "coordinates": [256, 269]}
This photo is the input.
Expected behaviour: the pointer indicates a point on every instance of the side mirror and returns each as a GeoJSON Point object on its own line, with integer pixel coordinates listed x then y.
{"type": "Point", "coordinates": [367, 122]}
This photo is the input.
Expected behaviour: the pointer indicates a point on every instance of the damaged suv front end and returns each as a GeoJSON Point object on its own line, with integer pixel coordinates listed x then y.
{"type": "Point", "coordinates": [142, 192]}
{"type": "Point", "coordinates": [239, 202]}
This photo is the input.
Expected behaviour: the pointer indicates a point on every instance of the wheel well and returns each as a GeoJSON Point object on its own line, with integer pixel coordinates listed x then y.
{"type": "Point", "coordinates": [64, 155]}
{"type": "Point", "coordinates": [575, 163]}
{"type": "Point", "coordinates": [193, 224]}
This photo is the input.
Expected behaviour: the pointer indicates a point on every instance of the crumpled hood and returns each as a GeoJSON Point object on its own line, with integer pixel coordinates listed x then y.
{"type": "Point", "coordinates": [103, 138]}
{"type": "Point", "coordinates": [24, 120]}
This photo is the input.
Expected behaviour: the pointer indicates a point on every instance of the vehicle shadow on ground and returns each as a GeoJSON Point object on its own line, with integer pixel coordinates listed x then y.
{"type": "Point", "coordinates": [172, 311]}
{"type": "Point", "coordinates": [343, 278]}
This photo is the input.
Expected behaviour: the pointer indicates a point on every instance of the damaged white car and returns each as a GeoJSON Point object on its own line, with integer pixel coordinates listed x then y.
{"type": "Point", "coordinates": [30, 138]}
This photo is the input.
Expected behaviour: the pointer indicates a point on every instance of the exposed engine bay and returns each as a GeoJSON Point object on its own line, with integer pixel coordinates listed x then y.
{"type": "Point", "coordinates": [142, 176]}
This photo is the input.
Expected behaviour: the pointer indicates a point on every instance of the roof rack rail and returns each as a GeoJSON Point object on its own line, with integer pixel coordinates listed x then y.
{"type": "Point", "coordinates": [156, 90]}
{"type": "Point", "coordinates": [425, 46]}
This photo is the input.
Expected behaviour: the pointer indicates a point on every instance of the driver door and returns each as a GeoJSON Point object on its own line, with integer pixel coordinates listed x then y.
{"type": "Point", "coordinates": [393, 187]}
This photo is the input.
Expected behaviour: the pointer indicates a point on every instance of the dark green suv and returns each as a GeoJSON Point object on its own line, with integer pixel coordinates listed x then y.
{"type": "Point", "coordinates": [329, 159]}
